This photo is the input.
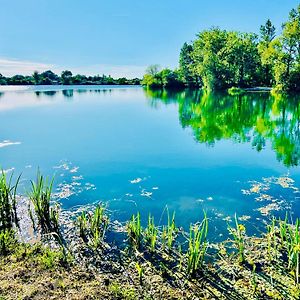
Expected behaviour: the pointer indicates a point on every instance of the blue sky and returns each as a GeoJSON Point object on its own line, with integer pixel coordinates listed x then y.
{"type": "Point", "coordinates": [117, 37]}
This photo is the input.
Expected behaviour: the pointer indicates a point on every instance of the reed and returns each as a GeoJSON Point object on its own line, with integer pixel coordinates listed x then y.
{"type": "Point", "coordinates": [134, 231]}
{"type": "Point", "coordinates": [8, 210]}
{"type": "Point", "coordinates": [197, 246]}
{"type": "Point", "coordinates": [98, 225]}
{"type": "Point", "coordinates": [151, 232]}
{"type": "Point", "coordinates": [169, 232]}
{"type": "Point", "coordinates": [293, 247]}
{"type": "Point", "coordinates": [238, 234]}
{"type": "Point", "coordinates": [93, 225]}
{"type": "Point", "coordinates": [40, 197]}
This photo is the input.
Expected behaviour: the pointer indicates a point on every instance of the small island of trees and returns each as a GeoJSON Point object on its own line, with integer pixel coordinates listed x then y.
{"type": "Point", "coordinates": [219, 59]}
{"type": "Point", "coordinates": [66, 78]}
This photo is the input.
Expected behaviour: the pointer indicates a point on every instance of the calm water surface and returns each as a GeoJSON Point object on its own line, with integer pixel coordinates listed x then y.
{"type": "Point", "coordinates": [142, 150]}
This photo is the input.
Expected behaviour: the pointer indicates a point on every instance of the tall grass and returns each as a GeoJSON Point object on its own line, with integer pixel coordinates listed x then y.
{"type": "Point", "coordinates": [238, 234]}
{"type": "Point", "coordinates": [134, 231]}
{"type": "Point", "coordinates": [40, 197]}
{"type": "Point", "coordinates": [293, 247]}
{"type": "Point", "coordinates": [169, 232]}
{"type": "Point", "coordinates": [151, 232]}
{"type": "Point", "coordinates": [8, 211]}
{"type": "Point", "coordinates": [197, 246]}
{"type": "Point", "coordinates": [92, 226]}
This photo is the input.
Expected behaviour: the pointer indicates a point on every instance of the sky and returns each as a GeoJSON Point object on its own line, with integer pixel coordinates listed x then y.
{"type": "Point", "coordinates": [117, 37]}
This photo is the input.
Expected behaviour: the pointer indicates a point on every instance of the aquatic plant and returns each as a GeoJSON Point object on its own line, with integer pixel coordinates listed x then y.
{"type": "Point", "coordinates": [98, 225]}
{"type": "Point", "coordinates": [40, 196]}
{"type": "Point", "coordinates": [93, 225]}
{"type": "Point", "coordinates": [134, 231]}
{"type": "Point", "coordinates": [82, 222]}
{"type": "Point", "coordinates": [197, 246]}
{"type": "Point", "coordinates": [294, 249]}
{"type": "Point", "coordinates": [151, 232]}
{"type": "Point", "coordinates": [8, 211]}
{"type": "Point", "coordinates": [140, 271]}
{"type": "Point", "coordinates": [169, 232]}
{"type": "Point", "coordinates": [238, 234]}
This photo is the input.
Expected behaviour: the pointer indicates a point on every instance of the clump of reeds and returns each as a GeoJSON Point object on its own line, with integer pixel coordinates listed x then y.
{"type": "Point", "coordinates": [92, 226]}
{"type": "Point", "coordinates": [151, 232]}
{"type": "Point", "coordinates": [238, 234]}
{"type": "Point", "coordinates": [40, 197]}
{"type": "Point", "coordinates": [293, 247]}
{"type": "Point", "coordinates": [8, 211]}
{"type": "Point", "coordinates": [134, 231]}
{"type": "Point", "coordinates": [169, 232]}
{"type": "Point", "coordinates": [197, 246]}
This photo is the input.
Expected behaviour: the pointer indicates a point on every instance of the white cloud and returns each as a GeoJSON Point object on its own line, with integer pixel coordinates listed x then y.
{"type": "Point", "coordinates": [9, 67]}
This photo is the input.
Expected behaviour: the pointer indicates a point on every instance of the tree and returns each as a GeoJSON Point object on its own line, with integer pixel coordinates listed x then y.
{"type": "Point", "coordinates": [66, 77]}
{"type": "Point", "coordinates": [186, 65]}
{"type": "Point", "coordinates": [267, 35]}
{"type": "Point", "coordinates": [36, 77]}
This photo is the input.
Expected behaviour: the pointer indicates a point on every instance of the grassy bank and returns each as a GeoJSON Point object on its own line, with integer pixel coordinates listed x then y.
{"type": "Point", "coordinates": [75, 259]}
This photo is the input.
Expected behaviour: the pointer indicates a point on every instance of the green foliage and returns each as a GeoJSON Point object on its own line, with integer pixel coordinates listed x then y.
{"type": "Point", "coordinates": [67, 78]}
{"type": "Point", "coordinates": [154, 78]}
{"type": "Point", "coordinates": [8, 211]}
{"type": "Point", "coordinates": [220, 59]}
{"type": "Point", "coordinates": [238, 234]}
{"type": "Point", "coordinates": [92, 226]}
{"type": "Point", "coordinates": [140, 271]}
{"type": "Point", "coordinates": [7, 241]}
{"type": "Point", "coordinates": [169, 232]}
{"type": "Point", "coordinates": [122, 292]}
{"type": "Point", "coordinates": [134, 231]}
{"type": "Point", "coordinates": [197, 246]}
{"type": "Point", "coordinates": [40, 197]}
{"type": "Point", "coordinates": [151, 232]}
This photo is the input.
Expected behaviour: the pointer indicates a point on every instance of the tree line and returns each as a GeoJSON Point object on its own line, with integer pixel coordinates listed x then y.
{"type": "Point", "coordinates": [66, 78]}
{"type": "Point", "coordinates": [219, 59]}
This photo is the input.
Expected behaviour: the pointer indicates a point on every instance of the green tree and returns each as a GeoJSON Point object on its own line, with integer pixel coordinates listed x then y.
{"type": "Point", "coordinates": [66, 77]}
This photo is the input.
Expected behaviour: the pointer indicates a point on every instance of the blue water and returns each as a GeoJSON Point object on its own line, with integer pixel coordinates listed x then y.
{"type": "Point", "coordinates": [140, 150]}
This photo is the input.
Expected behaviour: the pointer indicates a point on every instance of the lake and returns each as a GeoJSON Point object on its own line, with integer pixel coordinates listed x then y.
{"type": "Point", "coordinates": [150, 151]}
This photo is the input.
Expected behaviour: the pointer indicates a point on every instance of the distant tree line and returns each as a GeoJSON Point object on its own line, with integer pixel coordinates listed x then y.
{"type": "Point", "coordinates": [219, 59]}
{"type": "Point", "coordinates": [66, 78]}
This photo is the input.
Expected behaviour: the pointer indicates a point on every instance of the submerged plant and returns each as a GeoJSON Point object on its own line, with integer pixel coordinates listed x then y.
{"type": "Point", "coordinates": [151, 232]}
{"type": "Point", "coordinates": [134, 231]}
{"type": "Point", "coordinates": [238, 234]}
{"type": "Point", "coordinates": [197, 246]}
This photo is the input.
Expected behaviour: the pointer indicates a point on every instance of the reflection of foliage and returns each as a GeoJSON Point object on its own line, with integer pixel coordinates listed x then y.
{"type": "Point", "coordinates": [253, 117]}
